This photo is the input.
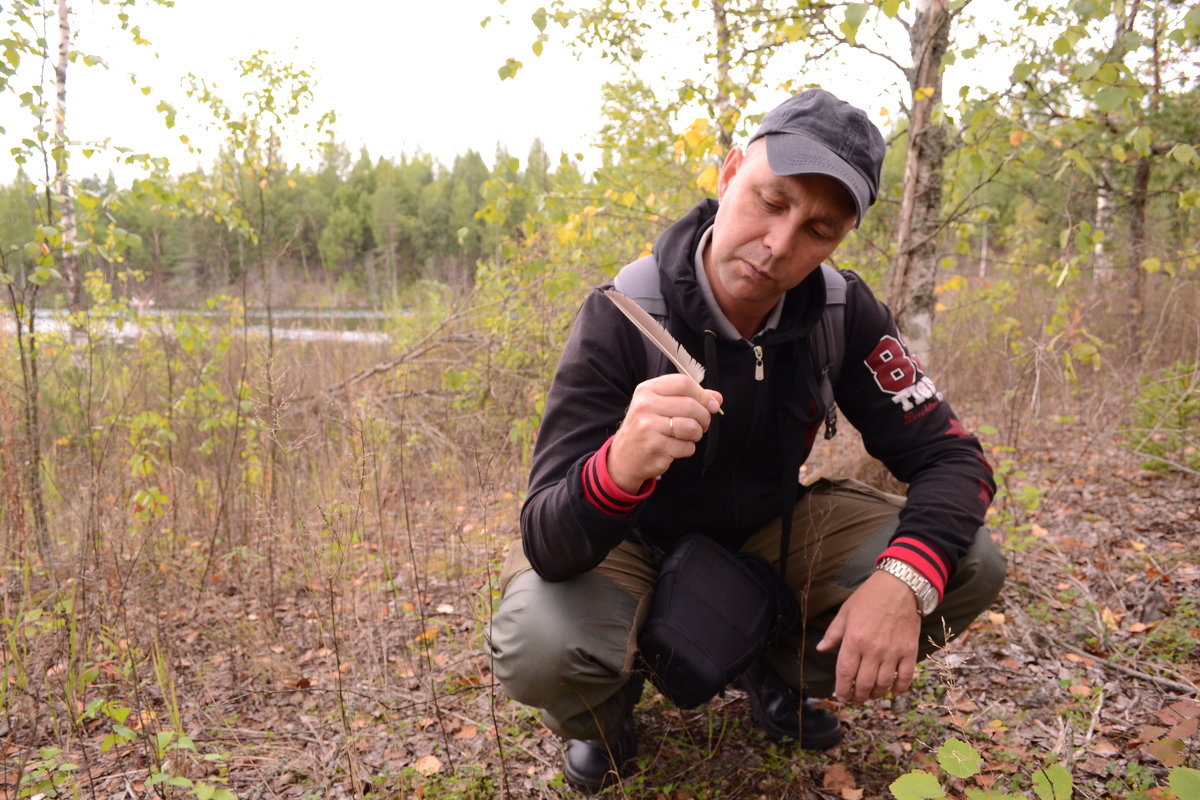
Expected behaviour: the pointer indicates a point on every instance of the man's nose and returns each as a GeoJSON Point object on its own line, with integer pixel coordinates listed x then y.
{"type": "Point", "coordinates": [780, 238]}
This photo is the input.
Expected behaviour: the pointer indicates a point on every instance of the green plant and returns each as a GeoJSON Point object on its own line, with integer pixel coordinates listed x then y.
{"type": "Point", "coordinates": [1164, 423]}
{"type": "Point", "coordinates": [47, 776]}
{"type": "Point", "coordinates": [963, 763]}
{"type": "Point", "coordinates": [1016, 500]}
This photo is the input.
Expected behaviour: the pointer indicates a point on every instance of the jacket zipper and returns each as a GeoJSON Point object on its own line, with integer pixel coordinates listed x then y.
{"type": "Point", "coordinates": [758, 362]}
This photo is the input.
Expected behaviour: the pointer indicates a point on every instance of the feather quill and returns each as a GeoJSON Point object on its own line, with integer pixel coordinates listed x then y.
{"type": "Point", "coordinates": [657, 334]}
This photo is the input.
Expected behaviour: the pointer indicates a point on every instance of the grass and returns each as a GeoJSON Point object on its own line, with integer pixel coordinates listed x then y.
{"type": "Point", "coordinates": [276, 586]}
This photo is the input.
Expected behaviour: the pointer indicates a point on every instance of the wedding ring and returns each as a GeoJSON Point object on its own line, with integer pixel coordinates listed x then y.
{"type": "Point", "coordinates": [671, 426]}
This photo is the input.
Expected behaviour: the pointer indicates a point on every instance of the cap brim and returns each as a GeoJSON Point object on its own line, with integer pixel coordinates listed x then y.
{"type": "Point", "coordinates": [797, 154]}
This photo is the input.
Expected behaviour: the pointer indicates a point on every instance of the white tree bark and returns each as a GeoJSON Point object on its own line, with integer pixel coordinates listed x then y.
{"type": "Point", "coordinates": [66, 204]}
{"type": "Point", "coordinates": [914, 274]}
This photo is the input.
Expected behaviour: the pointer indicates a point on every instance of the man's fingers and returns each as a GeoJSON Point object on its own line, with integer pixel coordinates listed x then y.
{"type": "Point", "coordinates": [904, 676]}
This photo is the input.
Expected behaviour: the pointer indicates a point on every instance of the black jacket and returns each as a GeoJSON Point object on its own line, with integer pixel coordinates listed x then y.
{"type": "Point", "coordinates": [733, 485]}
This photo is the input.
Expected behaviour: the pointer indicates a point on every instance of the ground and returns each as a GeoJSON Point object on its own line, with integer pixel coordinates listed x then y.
{"type": "Point", "coordinates": [368, 677]}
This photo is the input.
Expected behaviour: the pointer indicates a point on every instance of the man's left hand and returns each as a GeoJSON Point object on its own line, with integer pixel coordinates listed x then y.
{"type": "Point", "coordinates": [878, 630]}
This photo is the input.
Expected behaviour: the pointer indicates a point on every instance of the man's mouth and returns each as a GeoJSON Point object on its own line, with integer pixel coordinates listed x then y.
{"type": "Point", "coordinates": [754, 273]}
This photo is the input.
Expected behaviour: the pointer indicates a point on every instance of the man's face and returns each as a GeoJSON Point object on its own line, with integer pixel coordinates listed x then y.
{"type": "Point", "coordinates": [771, 232]}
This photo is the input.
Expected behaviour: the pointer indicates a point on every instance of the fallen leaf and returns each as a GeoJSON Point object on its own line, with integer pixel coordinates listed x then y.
{"type": "Point", "coordinates": [428, 765]}
{"type": "Point", "coordinates": [1185, 729]}
{"type": "Point", "coordinates": [853, 794]}
{"type": "Point", "coordinates": [837, 777]}
{"type": "Point", "coordinates": [1110, 619]}
{"type": "Point", "coordinates": [1038, 530]}
{"type": "Point", "coordinates": [1103, 747]}
{"type": "Point", "coordinates": [1137, 627]}
{"type": "Point", "coordinates": [1080, 690]}
{"type": "Point", "coordinates": [467, 732]}
{"type": "Point", "coordinates": [1168, 751]}
{"type": "Point", "coordinates": [996, 618]}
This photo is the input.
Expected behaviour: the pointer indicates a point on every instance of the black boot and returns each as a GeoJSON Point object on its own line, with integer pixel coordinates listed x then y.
{"type": "Point", "coordinates": [782, 712]}
{"type": "Point", "coordinates": [592, 765]}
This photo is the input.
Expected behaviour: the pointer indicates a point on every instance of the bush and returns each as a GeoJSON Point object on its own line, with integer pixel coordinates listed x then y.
{"type": "Point", "coordinates": [1165, 419]}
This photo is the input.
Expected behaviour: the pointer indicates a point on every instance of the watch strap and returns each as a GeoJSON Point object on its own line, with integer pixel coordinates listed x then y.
{"type": "Point", "coordinates": [926, 593]}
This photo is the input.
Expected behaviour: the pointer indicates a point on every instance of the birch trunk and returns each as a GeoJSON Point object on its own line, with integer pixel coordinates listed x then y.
{"type": "Point", "coordinates": [914, 274]}
{"type": "Point", "coordinates": [70, 259]}
{"type": "Point", "coordinates": [726, 114]}
{"type": "Point", "coordinates": [1103, 268]}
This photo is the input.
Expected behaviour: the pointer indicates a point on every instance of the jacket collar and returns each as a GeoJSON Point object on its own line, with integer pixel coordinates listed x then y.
{"type": "Point", "coordinates": [675, 250]}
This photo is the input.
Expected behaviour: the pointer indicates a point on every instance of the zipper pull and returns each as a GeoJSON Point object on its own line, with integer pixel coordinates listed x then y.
{"type": "Point", "coordinates": [758, 362]}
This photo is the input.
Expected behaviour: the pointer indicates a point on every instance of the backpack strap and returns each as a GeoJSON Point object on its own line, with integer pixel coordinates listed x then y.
{"type": "Point", "coordinates": [829, 343]}
{"type": "Point", "coordinates": [639, 282]}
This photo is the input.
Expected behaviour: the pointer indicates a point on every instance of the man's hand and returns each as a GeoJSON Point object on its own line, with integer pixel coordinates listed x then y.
{"type": "Point", "coordinates": [878, 629]}
{"type": "Point", "coordinates": [666, 417]}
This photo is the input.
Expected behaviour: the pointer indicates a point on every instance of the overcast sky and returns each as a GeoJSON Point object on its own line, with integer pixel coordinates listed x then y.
{"type": "Point", "coordinates": [402, 75]}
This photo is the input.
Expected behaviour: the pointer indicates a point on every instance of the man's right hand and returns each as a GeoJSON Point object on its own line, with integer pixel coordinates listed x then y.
{"type": "Point", "coordinates": [666, 417]}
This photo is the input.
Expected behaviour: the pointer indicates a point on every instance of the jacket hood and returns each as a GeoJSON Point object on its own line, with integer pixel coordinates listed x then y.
{"type": "Point", "coordinates": [674, 249]}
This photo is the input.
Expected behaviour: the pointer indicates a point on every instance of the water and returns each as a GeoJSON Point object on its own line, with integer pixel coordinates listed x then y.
{"type": "Point", "coordinates": [356, 326]}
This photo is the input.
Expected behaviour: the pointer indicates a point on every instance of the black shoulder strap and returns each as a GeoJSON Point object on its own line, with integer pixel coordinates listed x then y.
{"type": "Point", "coordinates": [829, 343]}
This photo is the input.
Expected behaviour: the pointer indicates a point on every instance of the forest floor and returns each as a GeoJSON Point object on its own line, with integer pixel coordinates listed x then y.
{"type": "Point", "coordinates": [368, 678]}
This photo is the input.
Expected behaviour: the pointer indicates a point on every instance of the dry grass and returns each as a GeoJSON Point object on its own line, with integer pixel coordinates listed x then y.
{"type": "Point", "coordinates": [306, 604]}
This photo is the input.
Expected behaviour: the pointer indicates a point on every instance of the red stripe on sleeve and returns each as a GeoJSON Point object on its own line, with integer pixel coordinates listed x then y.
{"type": "Point", "coordinates": [602, 492]}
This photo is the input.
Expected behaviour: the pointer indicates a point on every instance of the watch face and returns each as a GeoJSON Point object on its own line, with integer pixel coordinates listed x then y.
{"type": "Point", "coordinates": [928, 603]}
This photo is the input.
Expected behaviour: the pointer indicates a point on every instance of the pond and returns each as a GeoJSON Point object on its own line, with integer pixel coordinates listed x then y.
{"type": "Point", "coordinates": [365, 326]}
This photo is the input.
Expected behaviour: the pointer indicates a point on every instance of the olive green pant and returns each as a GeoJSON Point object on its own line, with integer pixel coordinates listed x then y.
{"type": "Point", "coordinates": [568, 647]}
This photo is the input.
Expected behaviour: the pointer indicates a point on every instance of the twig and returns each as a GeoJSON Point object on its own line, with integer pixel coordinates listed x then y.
{"type": "Point", "coordinates": [1185, 688]}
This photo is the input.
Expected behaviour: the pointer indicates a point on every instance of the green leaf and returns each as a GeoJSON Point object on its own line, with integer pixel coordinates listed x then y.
{"type": "Point", "coordinates": [959, 758]}
{"type": "Point", "coordinates": [1021, 72]}
{"type": "Point", "coordinates": [1185, 783]}
{"type": "Point", "coordinates": [509, 70]}
{"type": "Point", "coordinates": [890, 8]}
{"type": "Point", "coordinates": [1183, 153]}
{"type": "Point", "coordinates": [916, 785]}
{"type": "Point", "coordinates": [1110, 97]}
{"type": "Point", "coordinates": [539, 18]}
{"type": "Point", "coordinates": [855, 14]}
{"type": "Point", "coordinates": [1053, 783]}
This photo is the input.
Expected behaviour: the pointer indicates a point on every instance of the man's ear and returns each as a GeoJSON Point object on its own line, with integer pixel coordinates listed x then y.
{"type": "Point", "coordinates": [733, 161]}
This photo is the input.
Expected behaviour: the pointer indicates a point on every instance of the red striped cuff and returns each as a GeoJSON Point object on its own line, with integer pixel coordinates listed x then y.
{"type": "Point", "coordinates": [923, 557]}
{"type": "Point", "coordinates": [601, 491]}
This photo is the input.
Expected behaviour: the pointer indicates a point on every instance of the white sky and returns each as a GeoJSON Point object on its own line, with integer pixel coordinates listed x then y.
{"type": "Point", "coordinates": [403, 76]}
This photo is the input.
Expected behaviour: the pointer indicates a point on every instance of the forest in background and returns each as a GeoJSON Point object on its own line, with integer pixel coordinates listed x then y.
{"type": "Point", "coordinates": [238, 566]}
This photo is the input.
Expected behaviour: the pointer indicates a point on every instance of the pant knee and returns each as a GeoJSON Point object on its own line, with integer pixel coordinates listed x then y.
{"type": "Point", "coordinates": [984, 569]}
{"type": "Point", "coordinates": [569, 639]}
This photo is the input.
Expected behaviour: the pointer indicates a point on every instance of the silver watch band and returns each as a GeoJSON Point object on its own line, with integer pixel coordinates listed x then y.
{"type": "Point", "coordinates": [927, 596]}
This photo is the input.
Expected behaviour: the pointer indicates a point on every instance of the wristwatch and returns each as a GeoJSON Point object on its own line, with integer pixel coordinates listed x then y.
{"type": "Point", "coordinates": [927, 596]}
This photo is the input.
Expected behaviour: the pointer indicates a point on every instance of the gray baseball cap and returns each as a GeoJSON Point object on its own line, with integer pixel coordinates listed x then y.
{"type": "Point", "coordinates": [815, 132]}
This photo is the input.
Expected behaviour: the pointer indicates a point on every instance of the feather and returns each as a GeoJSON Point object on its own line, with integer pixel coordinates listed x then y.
{"type": "Point", "coordinates": [657, 334]}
